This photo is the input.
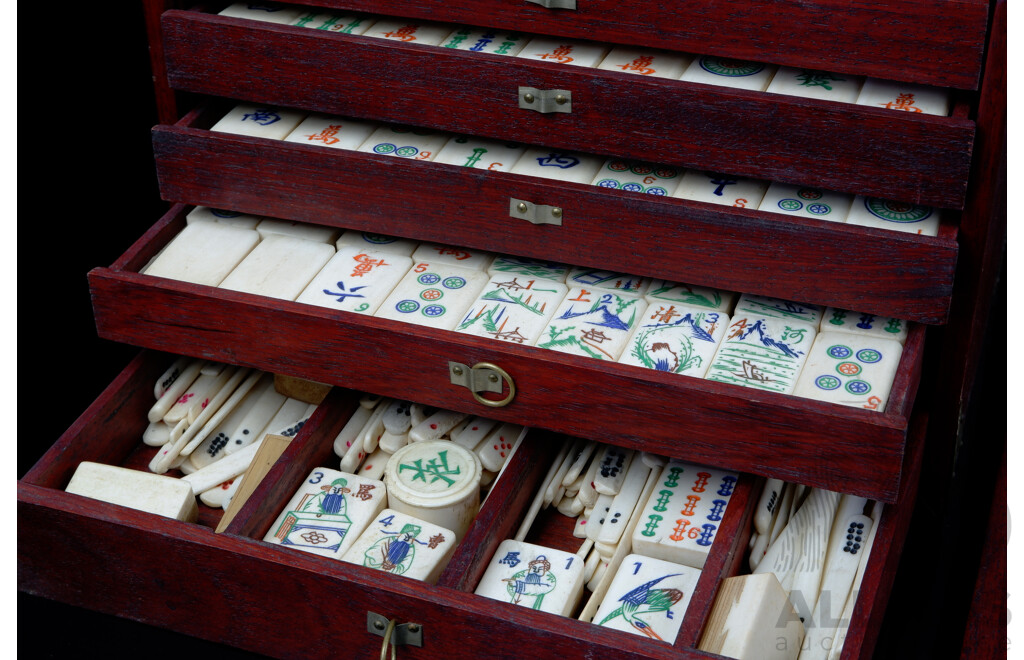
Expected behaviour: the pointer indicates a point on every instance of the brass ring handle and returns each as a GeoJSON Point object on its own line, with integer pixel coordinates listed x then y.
{"type": "Point", "coordinates": [505, 377]}
{"type": "Point", "coordinates": [387, 642]}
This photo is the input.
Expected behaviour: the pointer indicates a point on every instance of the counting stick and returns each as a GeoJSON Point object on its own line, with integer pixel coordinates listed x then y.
{"type": "Point", "coordinates": [374, 427]}
{"type": "Point", "coordinates": [476, 429]}
{"type": "Point", "coordinates": [245, 423]}
{"type": "Point", "coordinates": [168, 377]}
{"type": "Point", "coordinates": [851, 600]}
{"type": "Point", "coordinates": [369, 401]}
{"type": "Point", "coordinates": [218, 496]}
{"type": "Point", "coordinates": [538, 499]}
{"type": "Point", "coordinates": [225, 408]}
{"type": "Point", "coordinates": [174, 390]}
{"type": "Point", "coordinates": [201, 389]}
{"type": "Point", "coordinates": [782, 512]}
{"type": "Point", "coordinates": [770, 499]}
{"type": "Point", "coordinates": [587, 494]}
{"type": "Point", "coordinates": [436, 426]}
{"type": "Point", "coordinates": [156, 434]}
{"type": "Point", "coordinates": [580, 462]}
{"type": "Point", "coordinates": [226, 468]}
{"type": "Point", "coordinates": [398, 417]}
{"type": "Point", "coordinates": [353, 457]}
{"type": "Point", "coordinates": [563, 467]}
{"type": "Point", "coordinates": [392, 443]}
{"type": "Point", "coordinates": [624, 503]}
{"type": "Point", "coordinates": [511, 453]}
{"type": "Point", "coordinates": [350, 431]}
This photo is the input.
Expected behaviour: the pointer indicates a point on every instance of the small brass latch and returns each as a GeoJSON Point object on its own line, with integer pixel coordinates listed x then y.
{"type": "Point", "coordinates": [483, 377]}
{"type": "Point", "coordinates": [538, 214]}
{"type": "Point", "coordinates": [545, 100]}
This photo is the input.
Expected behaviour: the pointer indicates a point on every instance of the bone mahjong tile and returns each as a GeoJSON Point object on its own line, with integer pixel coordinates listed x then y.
{"type": "Point", "coordinates": [676, 339]}
{"type": "Point", "coordinates": [534, 576]}
{"type": "Point", "coordinates": [205, 213]}
{"type": "Point", "coordinates": [513, 265]}
{"type": "Point", "coordinates": [723, 189]}
{"type": "Point", "coordinates": [648, 597]}
{"type": "Point", "coordinates": [456, 256]}
{"type": "Point", "coordinates": [850, 370]}
{"type": "Point", "coordinates": [336, 22]}
{"type": "Point", "coordinates": [865, 325]}
{"type": "Point", "coordinates": [762, 352]}
{"type": "Point", "coordinates": [838, 87]}
{"type": "Point", "coordinates": [706, 298]}
{"type": "Point", "coordinates": [377, 242]}
{"type": "Point", "coordinates": [328, 511]}
{"type": "Point", "coordinates": [897, 216]}
{"type": "Point", "coordinates": [907, 97]}
{"type": "Point", "coordinates": [303, 230]}
{"type": "Point", "coordinates": [638, 177]}
{"type": "Point", "coordinates": [513, 308]}
{"type": "Point", "coordinates": [334, 132]}
{"type": "Point", "coordinates": [767, 306]}
{"type": "Point", "coordinates": [646, 62]}
{"type": "Point", "coordinates": [806, 202]}
{"type": "Point", "coordinates": [564, 51]}
{"type": "Point", "coordinates": [279, 267]}
{"type": "Point", "coordinates": [271, 12]}
{"type": "Point", "coordinates": [593, 323]}
{"type": "Point", "coordinates": [203, 253]}
{"type": "Point", "coordinates": [555, 164]}
{"type": "Point", "coordinates": [135, 489]}
{"type": "Point", "coordinates": [741, 74]}
{"type": "Point", "coordinates": [480, 153]}
{"type": "Point", "coordinates": [405, 142]}
{"type": "Point", "coordinates": [259, 121]}
{"type": "Point", "coordinates": [479, 40]}
{"type": "Point", "coordinates": [409, 30]}
{"type": "Point", "coordinates": [435, 294]}
{"type": "Point", "coordinates": [402, 545]}
{"type": "Point", "coordinates": [356, 280]}
{"type": "Point", "coordinates": [607, 280]}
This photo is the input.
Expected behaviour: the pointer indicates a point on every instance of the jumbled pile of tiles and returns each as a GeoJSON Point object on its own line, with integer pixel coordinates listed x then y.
{"type": "Point", "coordinates": [754, 341]}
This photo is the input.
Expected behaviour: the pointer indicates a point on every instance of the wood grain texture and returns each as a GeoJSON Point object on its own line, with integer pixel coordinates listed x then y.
{"type": "Point", "coordinates": [813, 261]}
{"type": "Point", "coordinates": [837, 146]}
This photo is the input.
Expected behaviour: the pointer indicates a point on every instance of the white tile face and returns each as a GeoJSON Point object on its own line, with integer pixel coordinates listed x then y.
{"type": "Point", "coordinates": [303, 230]}
{"type": "Point", "coordinates": [356, 280]}
{"type": "Point", "coordinates": [546, 270]}
{"type": "Point", "coordinates": [204, 253]}
{"type": "Point", "coordinates": [434, 294]}
{"type": "Point", "coordinates": [897, 216]}
{"type": "Point", "coordinates": [234, 218]}
{"type": "Point", "coordinates": [606, 280]}
{"type": "Point", "coordinates": [741, 74]}
{"type": "Point", "coordinates": [259, 121]}
{"type": "Point", "coordinates": [328, 512]}
{"type": "Point", "coordinates": [377, 242]}
{"type": "Point", "coordinates": [806, 202]}
{"type": "Point", "coordinates": [270, 12]}
{"type": "Point", "coordinates": [721, 189]}
{"type": "Point", "coordinates": [513, 308]}
{"type": "Point", "coordinates": [403, 545]}
{"type": "Point", "coordinates": [335, 22]}
{"type": "Point", "coordinates": [676, 339]}
{"type": "Point", "coordinates": [646, 62]}
{"type": "Point", "coordinates": [333, 132]}
{"type": "Point", "coordinates": [564, 51]}
{"type": "Point", "coordinates": [593, 323]}
{"type": "Point", "coordinates": [839, 87]}
{"type": "Point", "coordinates": [478, 40]}
{"type": "Point", "coordinates": [850, 370]}
{"type": "Point", "coordinates": [763, 353]}
{"type": "Point", "coordinates": [409, 31]}
{"type": "Point", "coordinates": [479, 153]}
{"type": "Point", "coordinates": [135, 489]}
{"type": "Point", "coordinates": [864, 325]}
{"type": "Point", "coordinates": [561, 165]}
{"type": "Point", "coordinates": [638, 177]}
{"type": "Point", "coordinates": [456, 256]}
{"type": "Point", "coordinates": [706, 298]}
{"type": "Point", "coordinates": [648, 597]}
{"type": "Point", "coordinates": [905, 97]}
{"type": "Point", "coordinates": [778, 308]}
{"type": "Point", "coordinates": [533, 576]}
{"type": "Point", "coordinates": [279, 267]}
{"type": "Point", "coordinates": [405, 142]}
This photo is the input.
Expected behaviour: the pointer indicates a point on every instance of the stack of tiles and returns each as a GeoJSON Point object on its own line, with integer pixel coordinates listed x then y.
{"type": "Point", "coordinates": [648, 597]}
{"type": "Point", "coordinates": [402, 545]}
{"type": "Point", "coordinates": [533, 576]}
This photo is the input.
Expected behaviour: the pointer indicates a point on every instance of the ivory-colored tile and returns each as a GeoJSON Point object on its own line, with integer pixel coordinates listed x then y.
{"type": "Point", "coordinates": [690, 295]}
{"type": "Point", "coordinates": [646, 62]}
{"type": "Point", "coordinates": [143, 491]}
{"type": "Point", "coordinates": [806, 202]}
{"type": "Point", "coordinates": [372, 241]}
{"type": "Point", "coordinates": [513, 309]}
{"type": "Point", "coordinates": [434, 294]}
{"type": "Point", "coordinates": [356, 280]}
{"type": "Point", "coordinates": [741, 74]}
{"type": "Point", "coordinates": [897, 216]}
{"type": "Point", "coordinates": [205, 213]}
{"type": "Point", "coordinates": [648, 597]}
{"type": "Point", "coordinates": [838, 87]}
{"type": "Point", "coordinates": [676, 339]}
{"type": "Point", "coordinates": [593, 323]}
{"type": "Point", "coordinates": [850, 370]}
{"type": "Point", "coordinates": [478, 40]}
{"type": "Point", "coordinates": [864, 325]}
{"type": "Point", "coordinates": [778, 308]}
{"type": "Point", "coordinates": [259, 121]}
{"type": "Point", "coordinates": [342, 23]}
{"type": "Point", "coordinates": [203, 253]}
{"type": "Point", "coordinates": [304, 230]}
{"type": "Point", "coordinates": [334, 132]}
{"type": "Point", "coordinates": [271, 12]}
{"type": "Point", "coordinates": [402, 545]}
{"type": "Point", "coordinates": [905, 97]}
{"type": "Point", "coordinates": [763, 353]}
{"type": "Point", "coordinates": [512, 265]}
{"type": "Point", "coordinates": [405, 142]}
{"type": "Point", "coordinates": [480, 153]}
{"type": "Point", "coordinates": [639, 177]}
{"type": "Point", "coordinates": [534, 576]}
{"type": "Point", "coordinates": [279, 267]}
{"type": "Point", "coordinates": [454, 255]}
{"type": "Point", "coordinates": [556, 164]}
{"type": "Point", "coordinates": [721, 189]}
{"type": "Point", "coordinates": [606, 280]}
{"type": "Point", "coordinates": [409, 31]}
{"type": "Point", "coordinates": [564, 51]}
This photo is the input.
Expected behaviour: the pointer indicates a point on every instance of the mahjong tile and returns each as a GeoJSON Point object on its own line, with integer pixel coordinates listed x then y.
{"type": "Point", "coordinates": [648, 597]}
{"type": "Point", "coordinates": [778, 308]}
{"type": "Point", "coordinates": [480, 153]}
{"type": "Point", "coordinates": [270, 12]}
{"type": "Point", "coordinates": [897, 216]}
{"type": "Point", "coordinates": [866, 325]}
{"type": "Point", "coordinates": [370, 241]}
{"type": "Point", "coordinates": [513, 308]}
{"type": "Point", "coordinates": [564, 51]}
{"type": "Point", "coordinates": [646, 62]}
{"type": "Point", "coordinates": [434, 294]}
{"type": "Point", "coordinates": [405, 142]}
{"type": "Point", "coordinates": [304, 230]}
{"type": "Point", "coordinates": [681, 518]}
{"type": "Point", "coordinates": [279, 267]}
{"type": "Point", "coordinates": [409, 31]}
{"type": "Point", "coordinates": [555, 164]}
{"type": "Point", "coordinates": [333, 132]}
{"type": "Point", "coordinates": [203, 253]}
{"type": "Point", "coordinates": [762, 352]}
{"type": "Point", "coordinates": [456, 256]}
{"type": "Point", "coordinates": [638, 177]}
{"type": "Point", "coordinates": [806, 202]}
{"type": "Point", "coordinates": [676, 339]}
{"type": "Point", "coordinates": [205, 213]}
{"type": "Point", "coordinates": [356, 280]}
{"type": "Point", "coordinates": [907, 97]}
{"type": "Point", "coordinates": [259, 121]}
{"type": "Point", "coordinates": [547, 270]}
{"type": "Point", "coordinates": [335, 22]}
{"type": "Point", "coordinates": [534, 576]}
{"type": "Point", "coordinates": [741, 74]}
{"type": "Point", "coordinates": [592, 278]}
{"type": "Point", "coordinates": [593, 323]}
{"type": "Point", "coordinates": [479, 40]}
{"type": "Point", "coordinates": [721, 189]}
{"type": "Point", "coordinates": [400, 544]}
{"type": "Point", "coordinates": [717, 300]}
{"type": "Point", "coordinates": [839, 87]}
{"type": "Point", "coordinates": [328, 512]}
{"type": "Point", "coordinates": [850, 370]}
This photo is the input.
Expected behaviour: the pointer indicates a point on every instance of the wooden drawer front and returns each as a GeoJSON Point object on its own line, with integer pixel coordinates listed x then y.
{"type": "Point", "coordinates": [737, 428]}
{"type": "Point", "coordinates": [286, 603]}
{"type": "Point", "coordinates": [844, 147]}
{"type": "Point", "coordinates": [868, 270]}
{"type": "Point", "coordinates": [915, 40]}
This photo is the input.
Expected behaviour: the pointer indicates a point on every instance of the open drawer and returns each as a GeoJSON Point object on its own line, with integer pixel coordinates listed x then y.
{"type": "Point", "coordinates": [912, 158]}
{"type": "Point", "coordinates": [287, 603]}
{"type": "Point", "coordinates": [732, 427]}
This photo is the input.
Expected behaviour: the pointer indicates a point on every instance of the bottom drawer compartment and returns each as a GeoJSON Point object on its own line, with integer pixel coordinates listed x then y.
{"type": "Point", "coordinates": [233, 588]}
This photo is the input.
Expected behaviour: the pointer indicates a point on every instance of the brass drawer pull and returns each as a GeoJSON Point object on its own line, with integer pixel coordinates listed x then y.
{"type": "Point", "coordinates": [545, 100]}
{"type": "Point", "coordinates": [483, 377]}
{"type": "Point", "coordinates": [394, 634]}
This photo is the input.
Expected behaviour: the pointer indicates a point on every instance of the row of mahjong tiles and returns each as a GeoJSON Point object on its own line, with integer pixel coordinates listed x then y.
{"type": "Point", "coordinates": [709, 70]}
{"type": "Point", "coordinates": [755, 341]}
{"type": "Point", "coordinates": [576, 167]}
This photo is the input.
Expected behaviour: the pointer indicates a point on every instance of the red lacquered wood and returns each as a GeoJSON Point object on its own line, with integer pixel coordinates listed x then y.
{"type": "Point", "coordinates": [837, 146]}
{"type": "Point", "coordinates": [934, 43]}
{"type": "Point", "coordinates": [813, 261]}
{"type": "Point", "coordinates": [166, 99]}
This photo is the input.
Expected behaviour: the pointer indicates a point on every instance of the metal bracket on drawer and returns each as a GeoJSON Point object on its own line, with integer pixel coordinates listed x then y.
{"type": "Point", "coordinates": [538, 214]}
{"type": "Point", "coordinates": [555, 4]}
{"type": "Point", "coordinates": [483, 377]}
{"type": "Point", "coordinates": [545, 100]}
{"type": "Point", "coordinates": [402, 634]}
